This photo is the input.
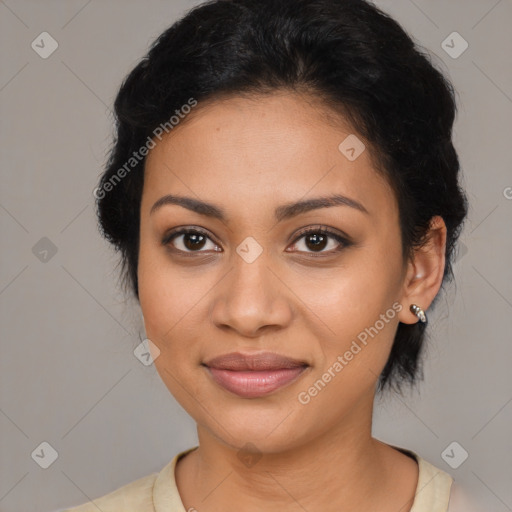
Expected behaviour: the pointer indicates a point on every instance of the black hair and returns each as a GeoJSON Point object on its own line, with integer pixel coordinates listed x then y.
{"type": "Point", "coordinates": [347, 53]}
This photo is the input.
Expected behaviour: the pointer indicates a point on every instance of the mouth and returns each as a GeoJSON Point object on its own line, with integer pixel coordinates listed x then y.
{"type": "Point", "coordinates": [254, 375]}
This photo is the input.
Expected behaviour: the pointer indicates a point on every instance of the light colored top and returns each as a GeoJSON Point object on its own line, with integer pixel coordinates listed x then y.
{"type": "Point", "coordinates": [158, 492]}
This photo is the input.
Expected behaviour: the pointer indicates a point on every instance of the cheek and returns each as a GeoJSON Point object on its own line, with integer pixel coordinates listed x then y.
{"type": "Point", "coordinates": [356, 315]}
{"type": "Point", "coordinates": [167, 305]}
{"type": "Point", "coordinates": [166, 296]}
{"type": "Point", "coordinates": [173, 302]}
{"type": "Point", "coordinates": [350, 298]}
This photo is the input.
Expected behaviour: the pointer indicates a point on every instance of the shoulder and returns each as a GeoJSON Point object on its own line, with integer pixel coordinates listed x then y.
{"type": "Point", "coordinates": [153, 493]}
{"type": "Point", "coordinates": [136, 496]}
{"type": "Point", "coordinates": [433, 488]}
{"type": "Point", "coordinates": [461, 500]}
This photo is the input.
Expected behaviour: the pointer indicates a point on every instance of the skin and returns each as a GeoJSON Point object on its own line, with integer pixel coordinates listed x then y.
{"type": "Point", "coordinates": [249, 156]}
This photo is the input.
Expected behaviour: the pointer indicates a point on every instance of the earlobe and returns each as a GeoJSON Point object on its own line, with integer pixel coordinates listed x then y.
{"type": "Point", "coordinates": [425, 274]}
{"type": "Point", "coordinates": [418, 312]}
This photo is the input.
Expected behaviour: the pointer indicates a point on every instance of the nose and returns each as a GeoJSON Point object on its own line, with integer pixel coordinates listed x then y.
{"type": "Point", "coordinates": [251, 299]}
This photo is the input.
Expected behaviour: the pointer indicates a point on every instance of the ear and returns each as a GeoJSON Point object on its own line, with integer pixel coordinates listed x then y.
{"type": "Point", "coordinates": [424, 274]}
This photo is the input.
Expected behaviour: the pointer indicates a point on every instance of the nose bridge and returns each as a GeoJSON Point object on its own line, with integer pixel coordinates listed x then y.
{"type": "Point", "coordinates": [250, 296]}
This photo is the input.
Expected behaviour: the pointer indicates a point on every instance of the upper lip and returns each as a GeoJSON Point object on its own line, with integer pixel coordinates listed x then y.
{"type": "Point", "coordinates": [236, 361]}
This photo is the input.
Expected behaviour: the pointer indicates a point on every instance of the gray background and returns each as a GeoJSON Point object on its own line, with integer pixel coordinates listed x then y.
{"type": "Point", "coordinates": [68, 374]}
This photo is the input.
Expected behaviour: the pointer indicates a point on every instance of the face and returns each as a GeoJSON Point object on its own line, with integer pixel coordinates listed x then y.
{"type": "Point", "coordinates": [321, 286]}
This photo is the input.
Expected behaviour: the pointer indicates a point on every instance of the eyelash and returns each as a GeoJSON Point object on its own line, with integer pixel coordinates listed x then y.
{"type": "Point", "coordinates": [343, 241]}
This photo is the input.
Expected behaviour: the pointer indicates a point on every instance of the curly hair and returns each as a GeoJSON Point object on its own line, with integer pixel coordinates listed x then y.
{"type": "Point", "coordinates": [349, 55]}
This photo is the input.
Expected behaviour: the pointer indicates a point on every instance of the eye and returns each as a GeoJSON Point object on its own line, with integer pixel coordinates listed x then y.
{"type": "Point", "coordinates": [316, 239]}
{"type": "Point", "coordinates": [189, 240]}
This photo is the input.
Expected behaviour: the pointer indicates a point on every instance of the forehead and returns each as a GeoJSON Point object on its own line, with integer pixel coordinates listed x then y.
{"type": "Point", "coordinates": [247, 153]}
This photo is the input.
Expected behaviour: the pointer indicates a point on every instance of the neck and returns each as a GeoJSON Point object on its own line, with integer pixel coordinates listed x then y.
{"type": "Point", "coordinates": [344, 465]}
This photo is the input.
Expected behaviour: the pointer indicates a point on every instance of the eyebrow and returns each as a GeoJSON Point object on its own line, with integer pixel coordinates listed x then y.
{"type": "Point", "coordinates": [281, 213]}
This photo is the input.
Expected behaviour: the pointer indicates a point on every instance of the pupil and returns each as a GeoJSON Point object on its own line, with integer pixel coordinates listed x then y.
{"type": "Point", "coordinates": [315, 241]}
{"type": "Point", "coordinates": [194, 241]}
{"type": "Point", "coordinates": [318, 241]}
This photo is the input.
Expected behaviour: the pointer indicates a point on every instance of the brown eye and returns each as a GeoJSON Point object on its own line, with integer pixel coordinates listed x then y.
{"type": "Point", "coordinates": [189, 240]}
{"type": "Point", "coordinates": [193, 241]}
{"type": "Point", "coordinates": [316, 240]}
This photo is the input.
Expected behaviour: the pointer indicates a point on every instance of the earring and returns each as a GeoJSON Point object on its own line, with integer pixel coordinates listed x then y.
{"type": "Point", "coordinates": [418, 312]}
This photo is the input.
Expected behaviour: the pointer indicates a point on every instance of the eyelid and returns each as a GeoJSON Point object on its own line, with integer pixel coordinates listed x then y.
{"type": "Point", "coordinates": [343, 239]}
{"type": "Point", "coordinates": [184, 230]}
{"type": "Point", "coordinates": [335, 233]}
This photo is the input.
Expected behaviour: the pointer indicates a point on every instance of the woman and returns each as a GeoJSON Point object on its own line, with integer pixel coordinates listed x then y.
{"type": "Point", "coordinates": [283, 191]}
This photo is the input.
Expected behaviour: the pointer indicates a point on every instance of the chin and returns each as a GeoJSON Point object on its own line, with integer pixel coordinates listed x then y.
{"type": "Point", "coordinates": [267, 428]}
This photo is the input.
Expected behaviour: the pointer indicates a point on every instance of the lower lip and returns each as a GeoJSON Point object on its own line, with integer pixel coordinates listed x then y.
{"type": "Point", "coordinates": [254, 384]}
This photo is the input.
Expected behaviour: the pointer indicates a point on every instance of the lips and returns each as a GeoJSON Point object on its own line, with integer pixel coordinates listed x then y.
{"type": "Point", "coordinates": [236, 361]}
{"type": "Point", "coordinates": [254, 375]}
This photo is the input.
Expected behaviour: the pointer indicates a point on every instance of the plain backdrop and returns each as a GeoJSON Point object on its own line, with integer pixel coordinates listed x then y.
{"type": "Point", "coordinates": [68, 373]}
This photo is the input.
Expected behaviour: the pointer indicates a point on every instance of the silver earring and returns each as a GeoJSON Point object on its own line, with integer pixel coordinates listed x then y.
{"type": "Point", "coordinates": [418, 312]}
